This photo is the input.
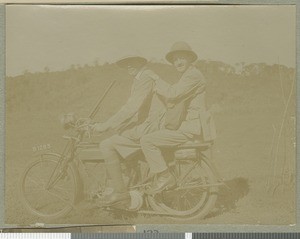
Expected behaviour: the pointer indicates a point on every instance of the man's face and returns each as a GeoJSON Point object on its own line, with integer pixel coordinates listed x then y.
{"type": "Point", "coordinates": [132, 70]}
{"type": "Point", "coordinates": [181, 62]}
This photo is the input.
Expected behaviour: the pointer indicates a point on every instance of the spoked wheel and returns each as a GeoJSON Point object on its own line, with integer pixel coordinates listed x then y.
{"type": "Point", "coordinates": [195, 194]}
{"type": "Point", "coordinates": [48, 201]}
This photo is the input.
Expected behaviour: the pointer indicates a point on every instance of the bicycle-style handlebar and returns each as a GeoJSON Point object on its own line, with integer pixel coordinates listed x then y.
{"type": "Point", "coordinates": [83, 125]}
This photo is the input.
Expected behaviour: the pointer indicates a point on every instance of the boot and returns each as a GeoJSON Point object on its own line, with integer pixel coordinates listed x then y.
{"type": "Point", "coordinates": [120, 195]}
{"type": "Point", "coordinates": [163, 180]}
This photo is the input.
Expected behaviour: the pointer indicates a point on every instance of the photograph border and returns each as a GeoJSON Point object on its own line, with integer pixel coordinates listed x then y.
{"type": "Point", "coordinates": [150, 227]}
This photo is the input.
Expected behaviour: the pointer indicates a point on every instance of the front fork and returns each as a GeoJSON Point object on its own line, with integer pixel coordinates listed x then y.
{"type": "Point", "coordinates": [61, 170]}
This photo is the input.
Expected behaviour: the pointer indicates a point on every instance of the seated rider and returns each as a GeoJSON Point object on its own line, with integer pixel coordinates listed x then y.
{"type": "Point", "coordinates": [140, 115]}
{"type": "Point", "coordinates": [195, 121]}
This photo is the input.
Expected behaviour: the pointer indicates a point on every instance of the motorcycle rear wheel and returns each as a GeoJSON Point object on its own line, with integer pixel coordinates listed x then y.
{"type": "Point", "coordinates": [194, 198]}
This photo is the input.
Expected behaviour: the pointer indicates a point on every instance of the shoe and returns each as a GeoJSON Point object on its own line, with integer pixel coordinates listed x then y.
{"type": "Point", "coordinates": [116, 198]}
{"type": "Point", "coordinates": [163, 181]}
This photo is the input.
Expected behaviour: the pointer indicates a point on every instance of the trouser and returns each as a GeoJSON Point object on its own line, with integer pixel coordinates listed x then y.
{"type": "Point", "coordinates": [152, 143]}
{"type": "Point", "coordinates": [112, 150]}
{"type": "Point", "coordinates": [118, 146]}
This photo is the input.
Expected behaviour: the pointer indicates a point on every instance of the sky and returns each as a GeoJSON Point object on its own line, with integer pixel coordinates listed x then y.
{"type": "Point", "coordinates": [57, 37]}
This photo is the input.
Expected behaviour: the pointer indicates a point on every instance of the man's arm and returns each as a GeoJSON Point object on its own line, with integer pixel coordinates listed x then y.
{"type": "Point", "coordinates": [181, 89]}
{"type": "Point", "coordinates": [142, 90]}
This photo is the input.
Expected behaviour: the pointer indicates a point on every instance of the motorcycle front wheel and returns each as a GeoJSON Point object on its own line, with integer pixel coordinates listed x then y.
{"type": "Point", "coordinates": [47, 201]}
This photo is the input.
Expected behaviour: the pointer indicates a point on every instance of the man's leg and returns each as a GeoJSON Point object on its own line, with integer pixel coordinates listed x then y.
{"type": "Point", "coordinates": [113, 164]}
{"type": "Point", "coordinates": [113, 149]}
{"type": "Point", "coordinates": [151, 145]}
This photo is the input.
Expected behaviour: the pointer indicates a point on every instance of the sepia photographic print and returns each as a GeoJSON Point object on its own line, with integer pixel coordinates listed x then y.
{"type": "Point", "coordinates": [150, 114]}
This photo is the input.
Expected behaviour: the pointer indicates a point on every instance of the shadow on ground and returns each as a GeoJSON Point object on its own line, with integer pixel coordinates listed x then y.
{"type": "Point", "coordinates": [229, 195]}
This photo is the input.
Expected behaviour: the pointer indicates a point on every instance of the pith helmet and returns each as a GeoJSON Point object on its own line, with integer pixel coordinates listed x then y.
{"type": "Point", "coordinates": [134, 61]}
{"type": "Point", "coordinates": [181, 48]}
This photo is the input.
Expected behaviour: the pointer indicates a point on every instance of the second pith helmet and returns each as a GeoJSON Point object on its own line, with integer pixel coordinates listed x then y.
{"type": "Point", "coordinates": [181, 48]}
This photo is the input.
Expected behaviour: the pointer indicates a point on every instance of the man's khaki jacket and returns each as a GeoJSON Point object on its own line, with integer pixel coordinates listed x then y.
{"type": "Point", "coordinates": [143, 112]}
{"type": "Point", "coordinates": [198, 121]}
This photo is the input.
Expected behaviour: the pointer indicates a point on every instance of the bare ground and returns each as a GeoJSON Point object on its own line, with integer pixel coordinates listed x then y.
{"type": "Point", "coordinates": [241, 154]}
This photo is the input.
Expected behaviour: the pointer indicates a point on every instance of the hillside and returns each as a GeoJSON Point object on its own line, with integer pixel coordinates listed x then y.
{"type": "Point", "coordinates": [253, 106]}
{"type": "Point", "coordinates": [78, 88]}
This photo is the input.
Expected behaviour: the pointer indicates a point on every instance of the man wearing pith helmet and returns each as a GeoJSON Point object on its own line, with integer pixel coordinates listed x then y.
{"type": "Point", "coordinates": [141, 114]}
{"type": "Point", "coordinates": [195, 122]}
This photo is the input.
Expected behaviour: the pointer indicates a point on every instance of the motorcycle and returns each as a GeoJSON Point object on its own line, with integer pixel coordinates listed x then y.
{"type": "Point", "coordinates": [56, 184]}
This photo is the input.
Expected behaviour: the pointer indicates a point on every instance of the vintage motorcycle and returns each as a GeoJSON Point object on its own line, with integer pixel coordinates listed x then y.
{"type": "Point", "coordinates": [56, 184]}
